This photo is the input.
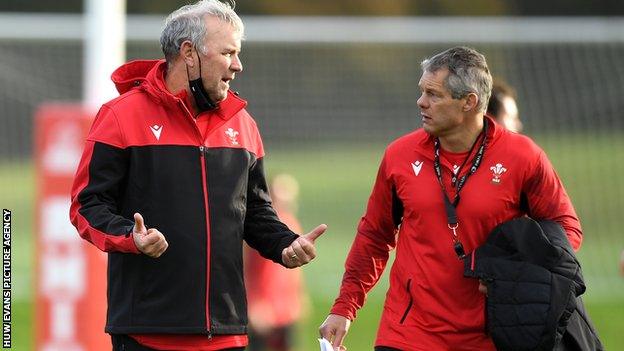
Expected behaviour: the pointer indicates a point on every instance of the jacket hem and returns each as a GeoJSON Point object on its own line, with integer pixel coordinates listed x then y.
{"type": "Point", "coordinates": [228, 330]}
{"type": "Point", "coordinates": [155, 330]}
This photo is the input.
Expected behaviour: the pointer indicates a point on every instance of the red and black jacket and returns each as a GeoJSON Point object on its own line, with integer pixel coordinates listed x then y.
{"type": "Point", "coordinates": [146, 154]}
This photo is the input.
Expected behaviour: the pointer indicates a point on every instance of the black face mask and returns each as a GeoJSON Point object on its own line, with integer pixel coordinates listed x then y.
{"type": "Point", "coordinates": [202, 100]}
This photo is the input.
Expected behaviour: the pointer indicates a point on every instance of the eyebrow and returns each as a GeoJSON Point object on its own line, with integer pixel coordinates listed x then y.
{"type": "Point", "coordinates": [429, 88]}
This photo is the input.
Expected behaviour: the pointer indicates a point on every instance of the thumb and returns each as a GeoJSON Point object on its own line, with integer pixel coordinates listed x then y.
{"type": "Point", "coordinates": [316, 232]}
{"type": "Point", "coordinates": [139, 225]}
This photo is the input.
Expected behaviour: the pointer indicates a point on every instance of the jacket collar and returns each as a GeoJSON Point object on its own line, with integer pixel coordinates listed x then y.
{"type": "Point", "coordinates": [494, 132]}
{"type": "Point", "coordinates": [149, 76]}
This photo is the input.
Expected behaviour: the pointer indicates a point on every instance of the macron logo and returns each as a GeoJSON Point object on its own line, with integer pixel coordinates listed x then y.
{"type": "Point", "coordinates": [416, 166]}
{"type": "Point", "coordinates": [156, 129]}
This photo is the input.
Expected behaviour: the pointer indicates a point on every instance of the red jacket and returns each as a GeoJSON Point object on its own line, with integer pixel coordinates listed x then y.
{"type": "Point", "coordinates": [430, 305]}
{"type": "Point", "coordinates": [205, 190]}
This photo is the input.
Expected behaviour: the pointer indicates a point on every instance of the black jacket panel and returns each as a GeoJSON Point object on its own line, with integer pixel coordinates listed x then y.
{"type": "Point", "coordinates": [150, 290]}
{"type": "Point", "coordinates": [228, 306]}
{"type": "Point", "coordinates": [99, 199]}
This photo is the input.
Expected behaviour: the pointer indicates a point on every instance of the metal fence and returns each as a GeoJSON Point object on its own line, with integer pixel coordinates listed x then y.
{"type": "Point", "coordinates": [305, 85]}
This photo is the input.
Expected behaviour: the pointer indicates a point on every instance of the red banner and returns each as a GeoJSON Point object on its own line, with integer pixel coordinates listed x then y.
{"type": "Point", "coordinates": [70, 273]}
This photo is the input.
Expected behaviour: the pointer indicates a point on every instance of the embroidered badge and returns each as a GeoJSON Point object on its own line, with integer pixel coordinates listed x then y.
{"type": "Point", "coordinates": [497, 172]}
{"type": "Point", "coordinates": [232, 134]}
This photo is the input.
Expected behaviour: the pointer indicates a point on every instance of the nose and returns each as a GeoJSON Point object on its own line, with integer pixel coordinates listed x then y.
{"type": "Point", "coordinates": [421, 101]}
{"type": "Point", "coordinates": [236, 65]}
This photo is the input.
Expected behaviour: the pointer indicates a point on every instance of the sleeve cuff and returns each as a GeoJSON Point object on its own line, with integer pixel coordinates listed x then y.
{"type": "Point", "coordinates": [342, 310]}
{"type": "Point", "coordinates": [122, 244]}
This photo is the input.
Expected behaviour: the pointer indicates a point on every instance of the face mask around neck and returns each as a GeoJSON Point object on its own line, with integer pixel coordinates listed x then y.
{"type": "Point", "coordinates": [202, 100]}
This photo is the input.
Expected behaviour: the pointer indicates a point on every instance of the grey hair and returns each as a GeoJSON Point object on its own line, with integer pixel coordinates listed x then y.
{"type": "Point", "coordinates": [468, 73]}
{"type": "Point", "coordinates": [188, 23]}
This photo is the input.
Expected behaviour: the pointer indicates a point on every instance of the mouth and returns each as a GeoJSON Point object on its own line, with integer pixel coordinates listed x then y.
{"type": "Point", "coordinates": [425, 118]}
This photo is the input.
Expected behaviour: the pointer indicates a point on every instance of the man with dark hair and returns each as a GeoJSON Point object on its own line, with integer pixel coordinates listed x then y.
{"type": "Point", "coordinates": [171, 182]}
{"type": "Point", "coordinates": [439, 192]}
{"type": "Point", "coordinates": [502, 106]}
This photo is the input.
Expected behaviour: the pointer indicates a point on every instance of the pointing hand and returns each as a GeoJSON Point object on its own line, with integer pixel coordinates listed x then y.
{"type": "Point", "coordinates": [302, 250]}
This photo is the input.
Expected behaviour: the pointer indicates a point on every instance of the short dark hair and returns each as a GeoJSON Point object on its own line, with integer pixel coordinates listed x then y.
{"type": "Point", "coordinates": [500, 90]}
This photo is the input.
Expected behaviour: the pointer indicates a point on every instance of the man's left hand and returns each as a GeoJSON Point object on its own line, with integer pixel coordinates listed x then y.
{"type": "Point", "coordinates": [302, 250]}
{"type": "Point", "coordinates": [482, 287]}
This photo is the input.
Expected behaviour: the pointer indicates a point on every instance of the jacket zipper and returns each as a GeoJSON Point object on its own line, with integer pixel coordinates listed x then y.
{"type": "Point", "coordinates": [191, 120]}
{"type": "Point", "coordinates": [411, 301]}
{"type": "Point", "coordinates": [202, 156]}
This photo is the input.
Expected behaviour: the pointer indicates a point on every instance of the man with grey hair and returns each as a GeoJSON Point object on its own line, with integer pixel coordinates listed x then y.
{"type": "Point", "coordinates": [415, 207]}
{"type": "Point", "coordinates": [171, 182]}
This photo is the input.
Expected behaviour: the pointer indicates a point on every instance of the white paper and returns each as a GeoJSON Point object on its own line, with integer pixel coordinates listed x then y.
{"type": "Point", "coordinates": [325, 345]}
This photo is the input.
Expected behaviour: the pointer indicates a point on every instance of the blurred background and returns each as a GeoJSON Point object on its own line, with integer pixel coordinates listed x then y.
{"type": "Point", "coordinates": [330, 83]}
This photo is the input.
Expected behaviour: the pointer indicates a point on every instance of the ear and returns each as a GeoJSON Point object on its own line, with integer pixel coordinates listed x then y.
{"type": "Point", "coordinates": [472, 100]}
{"type": "Point", "coordinates": [186, 53]}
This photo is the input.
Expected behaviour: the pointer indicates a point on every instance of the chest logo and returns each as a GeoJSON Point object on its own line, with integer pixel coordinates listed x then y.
{"type": "Point", "coordinates": [455, 169]}
{"type": "Point", "coordinates": [417, 166]}
{"type": "Point", "coordinates": [497, 172]}
{"type": "Point", "coordinates": [156, 129]}
{"type": "Point", "coordinates": [232, 134]}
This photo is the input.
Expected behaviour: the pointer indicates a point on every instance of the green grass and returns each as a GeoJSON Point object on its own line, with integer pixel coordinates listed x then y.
{"type": "Point", "coordinates": [335, 183]}
{"type": "Point", "coordinates": [607, 315]}
{"type": "Point", "coordinates": [22, 324]}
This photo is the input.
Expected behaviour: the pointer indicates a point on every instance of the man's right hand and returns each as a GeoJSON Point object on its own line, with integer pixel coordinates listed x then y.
{"type": "Point", "coordinates": [334, 329]}
{"type": "Point", "coordinates": [149, 241]}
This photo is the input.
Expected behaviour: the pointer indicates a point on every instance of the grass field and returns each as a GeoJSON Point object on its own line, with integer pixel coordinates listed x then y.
{"type": "Point", "coordinates": [335, 183]}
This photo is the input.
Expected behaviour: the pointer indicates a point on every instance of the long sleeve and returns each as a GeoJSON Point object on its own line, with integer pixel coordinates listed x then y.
{"type": "Point", "coordinates": [263, 229]}
{"type": "Point", "coordinates": [376, 236]}
{"type": "Point", "coordinates": [97, 188]}
{"type": "Point", "coordinates": [548, 199]}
